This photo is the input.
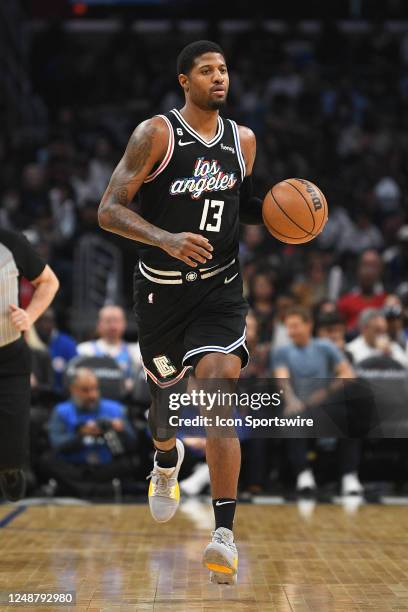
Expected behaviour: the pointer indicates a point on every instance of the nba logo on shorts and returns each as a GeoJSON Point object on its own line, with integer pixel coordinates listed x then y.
{"type": "Point", "coordinates": [164, 366]}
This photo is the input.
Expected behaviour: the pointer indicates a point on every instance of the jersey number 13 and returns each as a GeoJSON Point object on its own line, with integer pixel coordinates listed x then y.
{"type": "Point", "coordinates": [215, 215]}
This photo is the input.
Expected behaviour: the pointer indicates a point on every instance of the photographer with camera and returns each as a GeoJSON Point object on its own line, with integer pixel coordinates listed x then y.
{"type": "Point", "coordinates": [91, 440]}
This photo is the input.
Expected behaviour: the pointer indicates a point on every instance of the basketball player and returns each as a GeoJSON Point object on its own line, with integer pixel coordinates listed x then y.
{"type": "Point", "coordinates": [192, 170]}
{"type": "Point", "coordinates": [17, 257]}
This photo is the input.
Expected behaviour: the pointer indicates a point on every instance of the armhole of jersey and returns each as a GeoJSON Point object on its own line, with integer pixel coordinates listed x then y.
{"type": "Point", "coordinates": [238, 147]}
{"type": "Point", "coordinates": [170, 148]}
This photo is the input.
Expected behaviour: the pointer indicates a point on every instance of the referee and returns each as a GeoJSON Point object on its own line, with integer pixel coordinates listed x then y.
{"type": "Point", "coordinates": [17, 258]}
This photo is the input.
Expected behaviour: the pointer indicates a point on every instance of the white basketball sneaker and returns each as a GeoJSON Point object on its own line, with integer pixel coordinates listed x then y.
{"type": "Point", "coordinates": [164, 491]}
{"type": "Point", "coordinates": [351, 485]}
{"type": "Point", "coordinates": [221, 557]}
{"type": "Point", "coordinates": [305, 482]}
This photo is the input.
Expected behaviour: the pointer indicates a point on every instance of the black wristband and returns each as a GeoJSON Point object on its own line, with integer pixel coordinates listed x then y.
{"type": "Point", "coordinates": [250, 212]}
{"type": "Point", "coordinates": [250, 207]}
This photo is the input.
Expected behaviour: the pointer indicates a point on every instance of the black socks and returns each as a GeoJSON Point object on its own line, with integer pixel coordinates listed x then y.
{"type": "Point", "coordinates": [224, 511]}
{"type": "Point", "coordinates": [167, 459]}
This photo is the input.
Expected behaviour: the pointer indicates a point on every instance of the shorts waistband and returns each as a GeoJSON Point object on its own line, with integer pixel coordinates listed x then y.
{"type": "Point", "coordinates": [177, 277]}
{"type": "Point", "coordinates": [5, 349]}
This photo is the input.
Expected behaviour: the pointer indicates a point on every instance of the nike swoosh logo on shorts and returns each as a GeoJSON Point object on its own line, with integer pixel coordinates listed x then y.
{"type": "Point", "coordinates": [183, 144]}
{"type": "Point", "coordinates": [228, 280]}
{"type": "Point", "coordinates": [218, 503]}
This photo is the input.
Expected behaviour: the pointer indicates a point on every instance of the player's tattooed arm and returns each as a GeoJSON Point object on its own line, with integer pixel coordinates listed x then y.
{"type": "Point", "coordinates": [248, 147]}
{"type": "Point", "coordinates": [146, 147]}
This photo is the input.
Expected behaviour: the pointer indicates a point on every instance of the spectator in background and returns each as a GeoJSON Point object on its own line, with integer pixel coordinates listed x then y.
{"type": "Point", "coordinates": [283, 302]}
{"type": "Point", "coordinates": [369, 292]}
{"type": "Point", "coordinates": [90, 437]}
{"type": "Point", "coordinates": [253, 242]}
{"type": "Point", "coordinates": [261, 294]}
{"type": "Point", "coordinates": [111, 327]}
{"type": "Point", "coordinates": [394, 315]}
{"type": "Point", "coordinates": [396, 258]}
{"type": "Point", "coordinates": [366, 236]}
{"type": "Point", "coordinates": [387, 193]}
{"type": "Point", "coordinates": [34, 193]}
{"type": "Point", "coordinates": [310, 287]}
{"type": "Point", "coordinates": [374, 339]}
{"type": "Point", "coordinates": [331, 326]}
{"type": "Point", "coordinates": [11, 214]}
{"type": "Point", "coordinates": [61, 346]}
{"type": "Point", "coordinates": [80, 181]}
{"type": "Point", "coordinates": [308, 366]}
{"type": "Point", "coordinates": [100, 167]}
{"type": "Point", "coordinates": [324, 307]}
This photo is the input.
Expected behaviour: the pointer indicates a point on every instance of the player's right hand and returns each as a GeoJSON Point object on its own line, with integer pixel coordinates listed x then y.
{"type": "Point", "coordinates": [190, 248]}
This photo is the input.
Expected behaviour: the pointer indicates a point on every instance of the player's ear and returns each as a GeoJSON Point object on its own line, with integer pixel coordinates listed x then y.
{"type": "Point", "coordinates": [184, 82]}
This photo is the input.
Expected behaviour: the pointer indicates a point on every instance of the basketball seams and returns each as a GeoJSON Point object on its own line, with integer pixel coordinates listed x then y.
{"type": "Point", "coordinates": [307, 203]}
{"type": "Point", "coordinates": [290, 218]}
{"type": "Point", "coordinates": [276, 234]}
{"type": "Point", "coordinates": [326, 209]}
{"type": "Point", "coordinates": [323, 200]}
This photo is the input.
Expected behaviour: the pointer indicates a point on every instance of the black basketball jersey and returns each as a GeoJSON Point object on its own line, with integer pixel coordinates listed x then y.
{"type": "Point", "coordinates": [195, 189]}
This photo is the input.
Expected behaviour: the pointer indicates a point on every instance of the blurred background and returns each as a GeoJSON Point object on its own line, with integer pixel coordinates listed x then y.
{"type": "Point", "coordinates": [324, 88]}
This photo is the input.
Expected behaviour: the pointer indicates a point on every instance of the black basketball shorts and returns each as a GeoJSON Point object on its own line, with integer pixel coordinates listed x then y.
{"type": "Point", "coordinates": [201, 311]}
{"type": "Point", "coordinates": [15, 393]}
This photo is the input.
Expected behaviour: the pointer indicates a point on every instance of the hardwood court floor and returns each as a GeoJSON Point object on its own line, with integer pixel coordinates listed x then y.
{"type": "Point", "coordinates": [117, 558]}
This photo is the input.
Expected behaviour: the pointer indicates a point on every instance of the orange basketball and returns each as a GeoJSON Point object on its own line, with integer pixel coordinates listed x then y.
{"type": "Point", "coordinates": [295, 211]}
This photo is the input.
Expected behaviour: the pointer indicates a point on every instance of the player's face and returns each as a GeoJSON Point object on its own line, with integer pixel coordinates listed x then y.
{"type": "Point", "coordinates": [207, 83]}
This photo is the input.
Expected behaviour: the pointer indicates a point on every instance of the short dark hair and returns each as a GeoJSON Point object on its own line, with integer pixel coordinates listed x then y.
{"type": "Point", "coordinates": [326, 319]}
{"type": "Point", "coordinates": [188, 55]}
{"type": "Point", "coordinates": [300, 311]}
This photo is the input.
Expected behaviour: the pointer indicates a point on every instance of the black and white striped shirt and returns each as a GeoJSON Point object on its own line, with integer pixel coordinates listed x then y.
{"type": "Point", "coordinates": [17, 258]}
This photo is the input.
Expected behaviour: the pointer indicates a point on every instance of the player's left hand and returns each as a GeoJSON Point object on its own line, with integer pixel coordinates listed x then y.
{"type": "Point", "coordinates": [20, 318]}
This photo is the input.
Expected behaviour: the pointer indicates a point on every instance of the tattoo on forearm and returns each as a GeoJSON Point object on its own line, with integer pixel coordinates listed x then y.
{"type": "Point", "coordinates": [125, 181]}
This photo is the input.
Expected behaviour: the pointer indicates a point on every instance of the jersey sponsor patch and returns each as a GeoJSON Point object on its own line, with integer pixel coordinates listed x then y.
{"type": "Point", "coordinates": [164, 366]}
{"type": "Point", "coordinates": [208, 175]}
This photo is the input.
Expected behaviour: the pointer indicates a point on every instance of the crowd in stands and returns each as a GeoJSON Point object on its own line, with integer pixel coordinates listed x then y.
{"type": "Point", "coordinates": [338, 119]}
